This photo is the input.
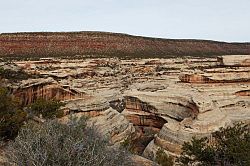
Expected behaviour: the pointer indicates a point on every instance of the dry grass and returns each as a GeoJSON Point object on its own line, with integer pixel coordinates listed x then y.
{"type": "Point", "coordinates": [56, 144]}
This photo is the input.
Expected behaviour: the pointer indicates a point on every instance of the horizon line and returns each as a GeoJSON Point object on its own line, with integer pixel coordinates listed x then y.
{"type": "Point", "coordinates": [124, 33]}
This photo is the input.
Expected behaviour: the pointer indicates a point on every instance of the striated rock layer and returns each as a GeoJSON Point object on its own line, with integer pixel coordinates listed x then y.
{"type": "Point", "coordinates": [30, 90]}
{"type": "Point", "coordinates": [159, 102]}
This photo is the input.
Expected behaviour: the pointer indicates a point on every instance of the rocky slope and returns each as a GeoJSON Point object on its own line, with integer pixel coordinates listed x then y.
{"type": "Point", "coordinates": [105, 44]}
{"type": "Point", "coordinates": [155, 102]}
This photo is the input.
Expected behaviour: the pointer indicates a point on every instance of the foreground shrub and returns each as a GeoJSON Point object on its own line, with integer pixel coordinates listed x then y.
{"type": "Point", "coordinates": [56, 144]}
{"type": "Point", "coordinates": [11, 116]}
{"type": "Point", "coordinates": [229, 147]}
{"type": "Point", "coordinates": [163, 159]}
{"type": "Point", "coordinates": [47, 108]}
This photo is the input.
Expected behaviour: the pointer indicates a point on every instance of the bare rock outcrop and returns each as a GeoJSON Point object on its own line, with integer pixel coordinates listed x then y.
{"type": "Point", "coordinates": [30, 90]}
{"type": "Point", "coordinates": [161, 102]}
{"type": "Point", "coordinates": [107, 121]}
{"type": "Point", "coordinates": [112, 124]}
{"type": "Point", "coordinates": [234, 60]}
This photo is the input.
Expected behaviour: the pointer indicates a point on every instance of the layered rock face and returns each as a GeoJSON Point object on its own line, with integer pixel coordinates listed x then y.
{"type": "Point", "coordinates": [238, 72]}
{"type": "Point", "coordinates": [141, 113]}
{"type": "Point", "coordinates": [234, 60]}
{"type": "Point", "coordinates": [30, 90]}
{"type": "Point", "coordinates": [109, 122]}
{"type": "Point", "coordinates": [220, 93]}
{"type": "Point", "coordinates": [160, 102]}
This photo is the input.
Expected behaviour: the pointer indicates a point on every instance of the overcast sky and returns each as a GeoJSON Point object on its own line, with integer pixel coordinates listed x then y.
{"type": "Point", "coordinates": [224, 20]}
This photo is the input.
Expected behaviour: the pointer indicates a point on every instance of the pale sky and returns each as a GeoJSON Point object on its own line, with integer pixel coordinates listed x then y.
{"type": "Point", "coordinates": [223, 20]}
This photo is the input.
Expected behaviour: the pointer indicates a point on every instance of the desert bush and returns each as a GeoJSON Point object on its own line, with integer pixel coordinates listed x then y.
{"type": "Point", "coordinates": [163, 159]}
{"type": "Point", "coordinates": [47, 108]}
{"type": "Point", "coordinates": [229, 147]}
{"type": "Point", "coordinates": [14, 75]}
{"type": "Point", "coordinates": [11, 116]}
{"type": "Point", "coordinates": [128, 144]}
{"type": "Point", "coordinates": [57, 144]}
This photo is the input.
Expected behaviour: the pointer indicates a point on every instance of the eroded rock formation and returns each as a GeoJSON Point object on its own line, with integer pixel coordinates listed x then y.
{"type": "Point", "coordinates": [30, 90]}
{"type": "Point", "coordinates": [160, 102]}
{"type": "Point", "coordinates": [234, 60]}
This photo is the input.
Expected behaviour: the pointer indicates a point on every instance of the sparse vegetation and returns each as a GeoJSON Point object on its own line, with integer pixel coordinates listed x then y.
{"type": "Point", "coordinates": [13, 75]}
{"type": "Point", "coordinates": [69, 144]}
{"type": "Point", "coordinates": [128, 144]}
{"type": "Point", "coordinates": [11, 116]}
{"type": "Point", "coordinates": [46, 108]}
{"type": "Point", "coordinates": [100, 44]}
{"type": "Point", "coordinates": [163, 159]}
{"type": "Point", "coordinates": [230, 147]}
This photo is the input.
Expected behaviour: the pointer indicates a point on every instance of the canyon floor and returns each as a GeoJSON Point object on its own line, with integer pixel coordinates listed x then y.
{"type": "Point", "coordinates": [157, 103]}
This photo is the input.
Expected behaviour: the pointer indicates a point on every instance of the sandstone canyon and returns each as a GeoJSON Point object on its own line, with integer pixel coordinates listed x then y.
{"type": "Point", "coordinates": [159, 102]}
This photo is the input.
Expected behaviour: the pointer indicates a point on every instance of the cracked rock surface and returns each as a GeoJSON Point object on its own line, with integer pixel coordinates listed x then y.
{"type": "Point", "coordinates": [173, 99]}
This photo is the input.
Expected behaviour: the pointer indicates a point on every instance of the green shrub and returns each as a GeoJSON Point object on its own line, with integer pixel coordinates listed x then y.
{"type": "Point", "coordinates": [47, 108]}
{"type": "Point", "coordinates": [14, 75]}
{"type": "Point", "coordinates": [57, 144]}
{"type": "Point", "coordinates": [11, 116]}
{"type": "Point", "coordinates": [163, 159]}
{"type": "Point", "coordinates": [229, 146]}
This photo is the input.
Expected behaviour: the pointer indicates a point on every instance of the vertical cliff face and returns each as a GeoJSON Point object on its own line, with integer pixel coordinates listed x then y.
{"type": "Point", "coordinates": [153, 121]}
{"type": "Point", "coordinates": [234, 60]}
{"type": "Point", "coordinates": [47, 89]}
{"type": "Point", "coordinates": [228, 69]}
{"type": "Point", "coordinates": [195, 78]}
{"type": "Point", "coordinates": [164, 105]}
{"type": "Point", "coordinates": [243, 93]}
{"type": "Point", "coordinates": [141, 113]}
{"type": "Point", "coordinates": [136, 105]}
{"type": "Point", "coordinates": [148, 110]}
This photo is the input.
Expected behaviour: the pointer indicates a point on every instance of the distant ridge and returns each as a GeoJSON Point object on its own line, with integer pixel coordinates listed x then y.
{"type": "Point", "coordinates": [107, 44]}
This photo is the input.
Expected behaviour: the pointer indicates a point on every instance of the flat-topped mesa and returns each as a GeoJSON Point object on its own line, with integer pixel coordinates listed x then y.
{"type": "Point", "coordinates": [234, 60]}
{"type": "Point", "coordinates": [106, 44]}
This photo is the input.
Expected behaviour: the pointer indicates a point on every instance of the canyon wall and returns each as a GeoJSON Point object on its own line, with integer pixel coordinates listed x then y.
{"type": "Point", "coordinates": [31, 90]}
{"type": "Point", "coordinates": [157, 103]}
